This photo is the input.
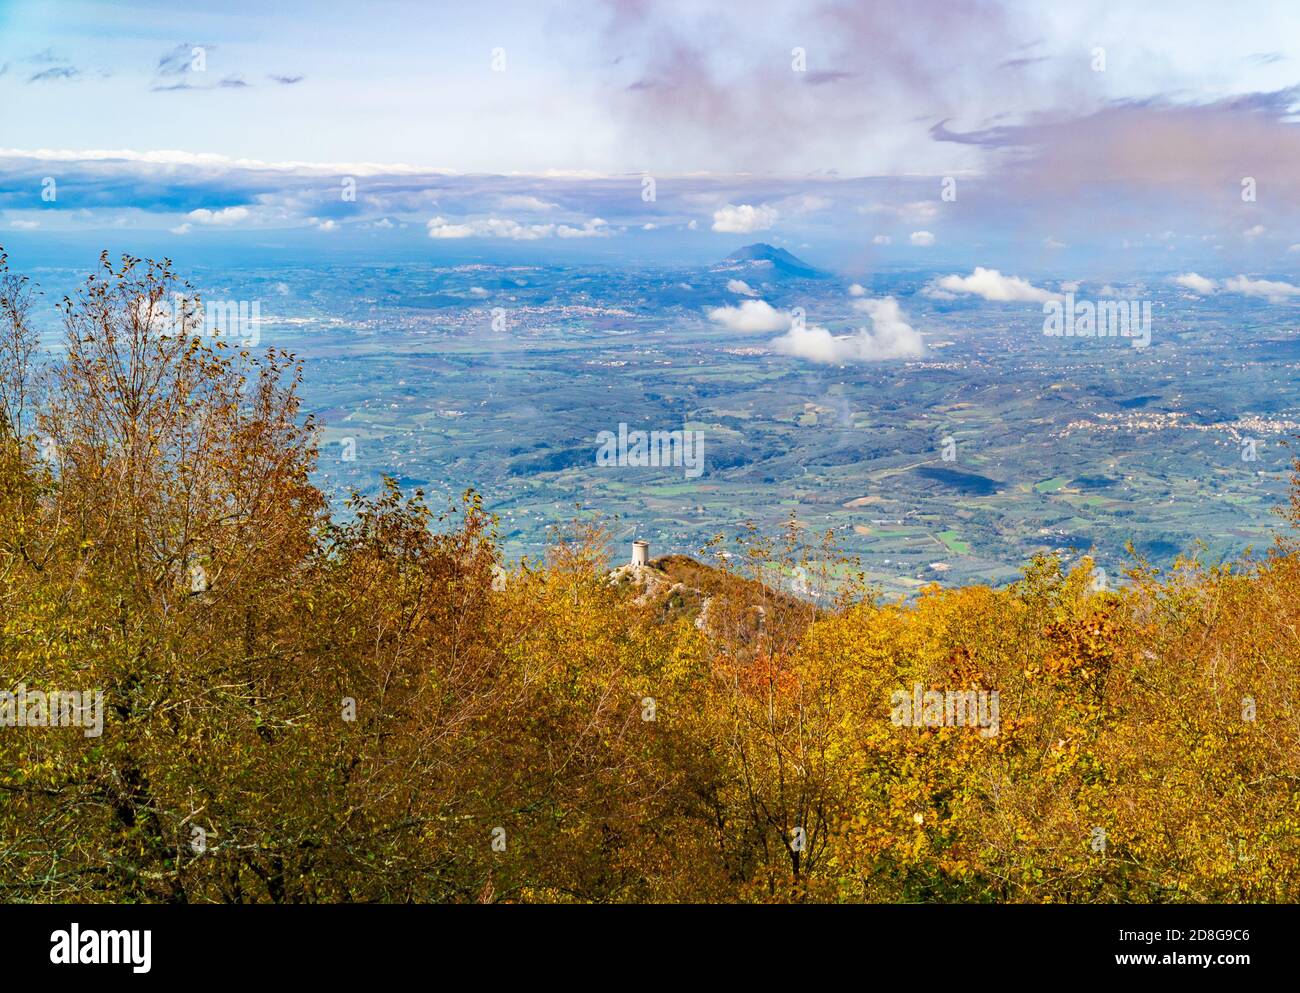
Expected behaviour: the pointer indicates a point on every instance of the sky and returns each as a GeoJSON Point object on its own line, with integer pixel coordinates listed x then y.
{"type": "Point", "coordinates": [1090, 138]}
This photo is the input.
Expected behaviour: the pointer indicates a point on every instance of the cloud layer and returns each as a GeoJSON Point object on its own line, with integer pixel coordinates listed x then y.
{"type": "Point", "coordinates": [890, 337]}
{"type": "Point", "coordinates": [988, 284]}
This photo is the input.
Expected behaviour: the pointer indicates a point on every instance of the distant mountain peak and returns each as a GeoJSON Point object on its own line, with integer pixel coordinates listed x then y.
{"type": "Point", "coordinates": [780, 259]}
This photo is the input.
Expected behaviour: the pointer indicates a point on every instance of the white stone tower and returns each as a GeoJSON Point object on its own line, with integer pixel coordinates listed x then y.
{"type": "Point", "coordinates": [640, 552]}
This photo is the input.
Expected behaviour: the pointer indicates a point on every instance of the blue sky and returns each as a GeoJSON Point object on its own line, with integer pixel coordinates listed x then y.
{"type": "Point", "coordinates": [528, 130]}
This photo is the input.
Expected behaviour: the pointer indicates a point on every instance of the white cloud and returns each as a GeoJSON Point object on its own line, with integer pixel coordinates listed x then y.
{"type": "Point", "coordinates": [228, 215]}
{"type": "Point", "coordinates": [751, 315]}
{"type": "Point", "coordinates": [882, 239]}
{"type": "Point", "coordinates": [921, 210]}
{"type": "Point", "coordinates": [743, 219]}
{"type": "Point", "coordinates": [890, 337]}
{"type": "Point", "coordinates": [1121, 292]}
{"type": "Point", "coordinates": [989, 284]}
{"type": "Point", "coordinates": [181, 229]}
{"type": "Point", "coordinates": [1254, 232]}
{"type": "Point", "coordinates": [805, 203]}
{"type": "Point", "coordinates": [522, 201]}
{"type": "Point", "coordinates": [649, 226]}
{"type": "Point", "coordinates": [916, 212]}
{"type": "Point", "coordinates": [501, 227]}
{"type": "Point", "coordinates": [1273, 290]}
{"type": "Point", "coordinates": [594, 228]}
{"type": "Point", "coordinates": [922, 239]}
{"type": "Point", "coordinates": [214, 160]}
{"type": "Point", "coordinates": [25, 225]}
{"type": "Point", "coordinates": [741, 287]}
{"type": "Point", "coordinates": [328, 225]}
{"type": "Point", "coordinates": [477, 291]}
{"type": "Point", "coordinates": [1195, 283]}
{"type": "Point", "coordinates": [492, 227]}
{"type": "Point", "coordinates": [857, 290]}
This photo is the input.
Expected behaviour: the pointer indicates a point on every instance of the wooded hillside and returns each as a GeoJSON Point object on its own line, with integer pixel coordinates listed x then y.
{"type": "Point", "coordinates": [383, 709]}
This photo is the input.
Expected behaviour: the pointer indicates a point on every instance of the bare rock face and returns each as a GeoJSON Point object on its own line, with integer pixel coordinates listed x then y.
{"type": "Point", "coordinates": [659, 585]}
{"type": "Point", "coordinates": [650, 581]}
{"type": "Point", "coordinates": [677, 587]}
